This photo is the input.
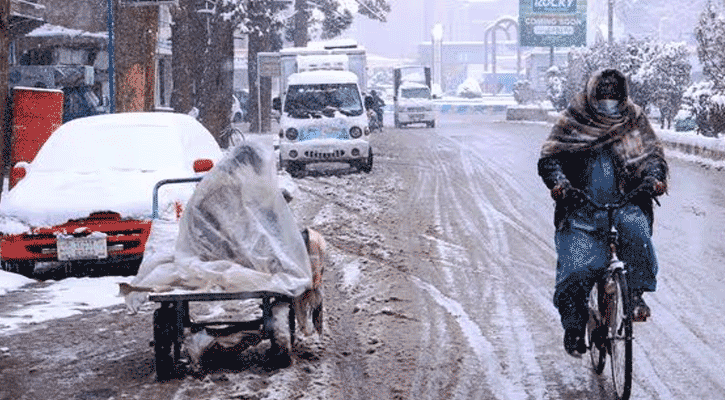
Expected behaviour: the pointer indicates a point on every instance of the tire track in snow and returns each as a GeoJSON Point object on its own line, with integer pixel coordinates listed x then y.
{"type": "Point", "coordinates": [497, 253]}
{"type": "Point", "coordinates": [482, 348]}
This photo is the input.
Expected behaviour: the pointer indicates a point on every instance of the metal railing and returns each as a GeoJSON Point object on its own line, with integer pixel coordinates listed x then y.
{"type": "Point", "coordinates": [155, 201]}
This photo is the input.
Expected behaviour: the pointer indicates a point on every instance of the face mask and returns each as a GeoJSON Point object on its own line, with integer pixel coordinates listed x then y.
{"type": "Point", "coordinates": [609, 106]}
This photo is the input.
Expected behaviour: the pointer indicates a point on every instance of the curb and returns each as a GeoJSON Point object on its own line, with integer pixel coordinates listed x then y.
{"type": "Point", "coordinates": [696, 150]}
{"type": "Point", "coordinates": [463, 109]}
{"type": "Point", "coordinates": [710, 148]}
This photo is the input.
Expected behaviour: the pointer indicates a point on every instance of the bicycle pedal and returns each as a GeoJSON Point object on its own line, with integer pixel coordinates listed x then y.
{"type": "Point", "coordinates": [640, 315]}
{"type": "Point", "coordinates": [640, 318]}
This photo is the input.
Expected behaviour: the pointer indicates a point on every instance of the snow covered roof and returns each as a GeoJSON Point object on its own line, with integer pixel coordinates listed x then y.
{"type": "Point", "coordinates": [328, 47]}
{"type": "Point", "coordinates": [49, 30]}
{"type": "Point", "coordinates": [318, 77]}
{"type": "Point", "coordinates": [335, 43]}
{"type": "Point", "coordinates": [35, 89]}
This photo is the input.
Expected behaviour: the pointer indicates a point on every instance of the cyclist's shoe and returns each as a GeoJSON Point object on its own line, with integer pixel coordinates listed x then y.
{"type": "Point", "coordinates": [574, 342]}
{"type": "Point", "coordinates": [640, 310]}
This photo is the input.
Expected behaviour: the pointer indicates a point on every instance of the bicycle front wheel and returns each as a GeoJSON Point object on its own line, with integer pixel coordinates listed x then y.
{"type": "Point", "coordinates": [596, 336]}
{"type": "Point", "coordinates": [620, 337]}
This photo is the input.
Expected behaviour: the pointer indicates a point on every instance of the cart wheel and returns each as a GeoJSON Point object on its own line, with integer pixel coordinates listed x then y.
{"type": "Point", "coordinates": [280, 337]}
{"type": "Point", "coordinates": [317, 318]}
{"type": "Point", "coordinates": [165, 345]}
{"type": "Point", "coordinates": [292, 325]}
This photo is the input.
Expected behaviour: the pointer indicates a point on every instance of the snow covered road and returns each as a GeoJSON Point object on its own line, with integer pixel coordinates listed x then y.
{"type": "Point", "coordinates": [439, 286]}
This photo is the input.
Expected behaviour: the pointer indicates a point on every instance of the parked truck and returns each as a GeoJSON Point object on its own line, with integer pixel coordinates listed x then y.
{"type": "Point", "coordinates": [412, 98]}
{"type": "Point", "coordinates": [322, 113]}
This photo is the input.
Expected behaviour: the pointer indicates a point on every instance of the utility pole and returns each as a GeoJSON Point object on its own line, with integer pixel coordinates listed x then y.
{"type": "Point", "coordinates": [111, 59]}
{"type": "Point", "coordinates": [300, 36]}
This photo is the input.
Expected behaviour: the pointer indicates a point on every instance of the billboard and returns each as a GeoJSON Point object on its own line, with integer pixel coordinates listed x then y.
{"type": "Point", "coordinates": [552, 23]}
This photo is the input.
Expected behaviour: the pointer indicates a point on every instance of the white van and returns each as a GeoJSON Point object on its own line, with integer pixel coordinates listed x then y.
{"type": "Point", "coordinates": [323, 120]}
{"type": "Point", "coordinates": [414, 105]}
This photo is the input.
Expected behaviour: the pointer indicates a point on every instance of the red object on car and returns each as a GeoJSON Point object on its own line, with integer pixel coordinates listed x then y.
{"type": "Point", "coordinates": [36, 114]}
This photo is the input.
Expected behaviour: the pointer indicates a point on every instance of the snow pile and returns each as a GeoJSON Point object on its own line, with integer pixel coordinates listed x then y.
{"type": "Point", "coordinates": [10, 282]}
{"type": "Point", "coordinates": [59, 299]}
{"type": "Point", "coordinates": [469, 88]}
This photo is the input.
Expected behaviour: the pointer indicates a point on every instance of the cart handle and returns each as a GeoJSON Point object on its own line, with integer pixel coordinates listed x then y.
{"type": "Point", "coordinates": [155, 200]}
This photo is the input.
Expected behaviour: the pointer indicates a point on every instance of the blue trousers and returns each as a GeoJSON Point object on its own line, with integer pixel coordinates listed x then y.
{"type": "Point", "coordinates": [583, 255]}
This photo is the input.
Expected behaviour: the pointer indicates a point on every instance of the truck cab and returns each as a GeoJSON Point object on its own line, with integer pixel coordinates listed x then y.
{"type": "Point", "coordinates": [412, 97]}
{"type": "Point", "coordinates": [413, 105]}
{"type": "Point", "coordinates": [323, 120]}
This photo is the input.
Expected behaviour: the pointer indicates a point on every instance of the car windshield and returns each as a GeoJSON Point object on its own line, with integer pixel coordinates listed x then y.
{"type": "Point", "coordinates": [415, 93]}
{"type": "Point", "coordinates": [306, 101]}
{"type": "Point", "coordinates": [86, 148]}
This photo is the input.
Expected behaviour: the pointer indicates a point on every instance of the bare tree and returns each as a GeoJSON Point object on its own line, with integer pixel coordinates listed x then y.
{"type": "Point", "coordinates": [263, 28]}
{"type": "Point", "coordinates": [203, 62]}
{"type": "Point", "coordinates": [136, 32]}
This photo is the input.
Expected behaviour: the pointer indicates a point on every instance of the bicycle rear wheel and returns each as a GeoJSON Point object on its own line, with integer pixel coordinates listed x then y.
{"type": "Point", "coordinates": [620, 337]}
{"type": "Point", "coordinates": [596, 336]}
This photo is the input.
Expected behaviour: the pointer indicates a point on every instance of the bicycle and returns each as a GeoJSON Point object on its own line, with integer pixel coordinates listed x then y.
{"type": "Point", "coordinates": [231, 136]}
{"type": "Point", "coordinates": [609, 329]}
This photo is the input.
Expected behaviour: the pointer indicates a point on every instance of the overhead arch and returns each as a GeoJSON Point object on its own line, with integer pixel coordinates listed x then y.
{"type": "Point", "coordinates": [503, 24]}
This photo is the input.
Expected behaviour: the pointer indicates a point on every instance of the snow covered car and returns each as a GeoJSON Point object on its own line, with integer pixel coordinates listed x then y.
{"type": "Point", "coordinates": [87, 195]}
{"type": "Point", "coordinates": [323, 120]}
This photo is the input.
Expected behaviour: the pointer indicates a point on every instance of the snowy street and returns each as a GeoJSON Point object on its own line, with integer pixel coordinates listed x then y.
{"type": "Point", "coordinates": [439, 286]}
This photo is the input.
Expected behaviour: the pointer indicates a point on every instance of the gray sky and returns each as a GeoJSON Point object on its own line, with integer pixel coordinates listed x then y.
{"type": "Point", "coordinates": [399, 37]}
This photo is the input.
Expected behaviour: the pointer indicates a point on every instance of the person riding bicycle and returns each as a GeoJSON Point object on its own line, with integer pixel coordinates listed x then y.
{"type": "Point", "coordinates": [604, 145]}
{"type": "Point", "coordinates": [378, 104]}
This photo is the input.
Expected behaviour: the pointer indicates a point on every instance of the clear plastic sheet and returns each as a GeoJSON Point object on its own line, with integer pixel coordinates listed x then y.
{"type": "Point", "coordinates": [237, 234]}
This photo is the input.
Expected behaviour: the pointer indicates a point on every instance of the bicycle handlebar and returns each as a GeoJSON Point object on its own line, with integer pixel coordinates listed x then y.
{"type": "Point", "coordinates": [613, 206]}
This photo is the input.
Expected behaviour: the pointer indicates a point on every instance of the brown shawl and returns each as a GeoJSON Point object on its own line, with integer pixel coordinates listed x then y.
{"type": "Point", "coordinates": [582, 128]}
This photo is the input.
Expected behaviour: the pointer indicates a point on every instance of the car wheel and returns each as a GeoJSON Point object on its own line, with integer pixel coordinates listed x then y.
{"type": "Point", "coordinates": [25, 268]}
{"type": "Point", "coordinates": [367, 166]}
{"type": "Point", "coordinates": [296, 169]}
{"type": "Point", "coordinates": [432, 124]}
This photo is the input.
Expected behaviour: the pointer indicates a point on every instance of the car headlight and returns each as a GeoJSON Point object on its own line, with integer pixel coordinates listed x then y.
{"type": "Point", "coordinates": [355, 132]}
{"type": "Point", "coordinates": [291, 133]}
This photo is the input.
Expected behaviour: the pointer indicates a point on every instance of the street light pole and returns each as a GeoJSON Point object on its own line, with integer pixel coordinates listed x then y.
{"type": "Point", "coordinates": [437, 44]}
{"type": "Point", "coordinates": [111, 60]}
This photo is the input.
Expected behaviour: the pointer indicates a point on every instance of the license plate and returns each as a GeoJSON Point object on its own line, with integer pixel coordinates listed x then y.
{"type": "Point", "coordinates": [417, 117]}
{"type": "Point", "coordinates": [83, 248]}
